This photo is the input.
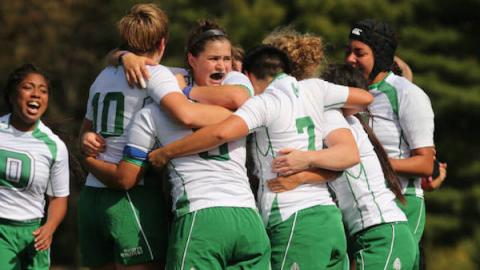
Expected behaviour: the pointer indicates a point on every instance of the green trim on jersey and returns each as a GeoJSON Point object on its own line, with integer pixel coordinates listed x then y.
{"type": "Point", "coordinates": [134, 161]}
{"type": "Point", "coordinates": [270, 147]}
{"type": "Point", "coordinates": [362, 171]}
{"type": "Point", "coordinates": [182, 205]}
{"type": "Point", "coordinates": [279, 76]}
{"type": "Point", "coordinates": [251, 93]}
{"type": "Point", "coordinates": [275, 216]}
{"type": "Point", "coordinates": [52, 146]}
{"type": "Point", "coordinates": [333, 105]}
{"type": "Point", "coordinates": [389, 91]}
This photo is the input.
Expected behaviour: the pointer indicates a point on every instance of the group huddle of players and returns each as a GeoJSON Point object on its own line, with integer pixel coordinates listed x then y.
{"type": "Point", "coordinates": [329, 162]}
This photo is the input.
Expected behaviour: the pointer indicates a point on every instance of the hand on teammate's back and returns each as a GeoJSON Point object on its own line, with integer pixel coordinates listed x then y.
{"type": "Point", "coordinates": [290, 161]}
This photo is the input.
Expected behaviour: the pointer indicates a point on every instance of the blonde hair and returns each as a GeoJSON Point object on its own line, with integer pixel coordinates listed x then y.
{"type": "Point", "coordinates": [304, 50]}
{"type": "Point", "coordinates": [143, 28]}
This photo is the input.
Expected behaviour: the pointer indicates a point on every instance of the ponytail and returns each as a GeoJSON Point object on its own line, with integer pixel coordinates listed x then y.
{"type": "Point", "coordinates": [393, 182]}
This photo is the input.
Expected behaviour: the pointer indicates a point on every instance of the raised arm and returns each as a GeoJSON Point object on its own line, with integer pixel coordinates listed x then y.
{"type": "Point", "coordinates": [227, 96]}
{"type": "Point", "coordinates": [357, 101]}
{"type": "Point", "coordinates": [312, 176]}
{"type": "Point", "coordinates": [191, 114]}
{"type": "Point", "coordinates": [203, 139]}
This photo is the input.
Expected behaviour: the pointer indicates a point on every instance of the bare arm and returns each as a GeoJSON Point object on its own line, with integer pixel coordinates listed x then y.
{"type": "Point", "coordinates": [342, 153]}
{"type": "Point", "coordinates": [57, 209]}
{"type": "Point", "coordinates": [123, 175]}
{"type": "Point", "coordinates": [357, 101]}
{"type": "Point", "coordinates": [315, 176]}
{"type": "Point", "coordinates": [191, 114]}
{"type": "Point", "coordinates": [419, 164]}
{"type": "Point", "coordinates": [227, 96]}
{"type": "Point", "coordinates": [203, 139]}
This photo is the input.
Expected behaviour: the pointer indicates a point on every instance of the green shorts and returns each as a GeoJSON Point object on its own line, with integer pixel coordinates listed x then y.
{"type": "Point", "coordinates": [125, 227]}
{"type": "Point", "coordinates": [414, 209]}
{"type": "Point", "coordinates": [219, 238]}
{"type": "Point", "coordinates": [312, 238]}
{"type": "Point", "coordinates": [384, 246]}
{"type": "Point", "coordinates": [17, 249]}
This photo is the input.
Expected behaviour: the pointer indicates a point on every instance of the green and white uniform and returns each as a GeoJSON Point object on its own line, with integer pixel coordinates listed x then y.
{"type": "Point", "coordinates": [207, 188]}
{"type": "Point", "coordinates": [376, 225]}
{"type": "Point", "coordinates": [283, 116]}
{"type": "Point", "coordinates": [117, 226]}
{"type": "Point", "coordinates": [403, 120]}
{"type": "Point", "coordinates": [32, 164]}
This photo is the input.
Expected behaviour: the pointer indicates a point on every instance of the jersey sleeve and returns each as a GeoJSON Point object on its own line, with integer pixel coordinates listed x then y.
{"type": "Point", "coordinates": [333, 120]}
{"type": "Point", "coordinates": [59, 184]}
{"type": "Point", "coordinates": [141, 137]}
{"type": "Point", "coordinates": [259, 110]}
{"type": "Point", "coordinates": [335, 96]}
{"type": "Point", "coordinates": [416, 118]}
{"type": "Point", "coordinates": [237, 78]}
{"type": "Point", "coordinates": [161, 83]}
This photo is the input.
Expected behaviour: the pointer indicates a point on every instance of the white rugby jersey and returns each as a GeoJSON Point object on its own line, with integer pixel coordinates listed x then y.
{"type": "Point", "coordinates": [361, 191]}
{"type": "Point", "coordinates": [216, 178]}
{"type": "Point", "coordinates": [280, 118]}
{"type": "Point", "coordinates": [402, 120]}
{"type": "Point", "coordinates": [31, 164]}
{"type": "Point", "coordinates": [112, 105]}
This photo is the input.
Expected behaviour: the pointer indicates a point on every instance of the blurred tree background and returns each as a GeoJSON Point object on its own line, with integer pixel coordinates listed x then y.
{"type": "Point", "coordinates": [438, 39]}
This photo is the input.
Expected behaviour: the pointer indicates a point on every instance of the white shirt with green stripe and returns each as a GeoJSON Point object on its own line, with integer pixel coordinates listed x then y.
{"type": "Point", "coordinates": [361, 191]}
{"type": "Point", "coordinates": [112, 105]}
{"type": "Point", "coordinates": [402, 119]}
{"type": "Point", "coordinates": [285, 116]}
{"type": "Point", "coordinates": [215, 178]}
{"type": "Point", "coordinates": [31, 164]}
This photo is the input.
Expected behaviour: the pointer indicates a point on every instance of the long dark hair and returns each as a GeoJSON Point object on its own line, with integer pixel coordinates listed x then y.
{"type": "Point", "coordinates": [202, 32]}
{"type": "Point", "coordinates": [345, 74]}
{"type": "Point", "coordinates": [16, 77]}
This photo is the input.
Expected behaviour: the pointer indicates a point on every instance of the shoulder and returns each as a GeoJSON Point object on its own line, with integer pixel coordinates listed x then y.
{"type": "Point", "coordinates": [50, 139]}
{"type": "Point", "coordinates": [160, 70]}
{"type": "Point", "coordinates": [406, 89]}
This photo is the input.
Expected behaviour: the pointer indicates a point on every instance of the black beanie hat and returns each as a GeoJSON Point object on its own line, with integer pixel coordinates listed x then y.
{"type": "Point", "coordinates": [380, 37]}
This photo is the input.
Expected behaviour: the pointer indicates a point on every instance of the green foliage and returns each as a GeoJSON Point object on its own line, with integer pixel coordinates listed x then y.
{"type": "Point", "coordinates": [437, 38]}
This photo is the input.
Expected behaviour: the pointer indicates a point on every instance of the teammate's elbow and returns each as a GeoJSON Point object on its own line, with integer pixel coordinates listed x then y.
{"type": "Point", "coordinates": [238, 99]}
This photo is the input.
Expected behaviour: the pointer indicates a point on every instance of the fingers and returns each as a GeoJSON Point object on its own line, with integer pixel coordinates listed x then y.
{"type": "Point", "coordinates": [129, 79]}
{"type": "Point", "coordinates": [283, 170]}
{"type": "Point", "coordinates": [145, 73]}
{"type": "Point", "coordinates": [43, 239]}
{"type": "Point", "coordinates": [139, 81]}
{"type": "Point", "coordinates": [285, 151]}
{"type": "Point", "coordinates": [133, 78]}
{"type": "Point", "coordinates": [276, 186]}
{"type": "Point", "coordinates": [280, 162]}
